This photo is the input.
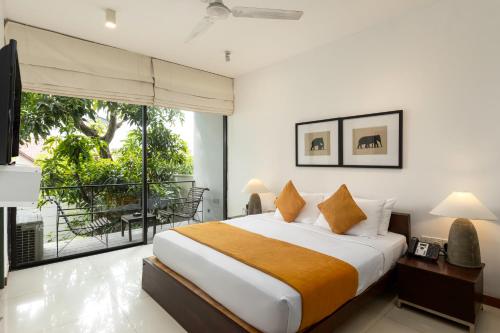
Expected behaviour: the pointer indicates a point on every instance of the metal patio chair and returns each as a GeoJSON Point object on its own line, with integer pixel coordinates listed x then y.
{"type": "Point", "coordinates": [98, 227]}
{"type": "Point", "coordinates": [184, 208]}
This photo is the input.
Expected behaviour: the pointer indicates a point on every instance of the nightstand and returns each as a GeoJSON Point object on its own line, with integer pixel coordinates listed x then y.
{"type": "Point", "coordinates": [440, 288]}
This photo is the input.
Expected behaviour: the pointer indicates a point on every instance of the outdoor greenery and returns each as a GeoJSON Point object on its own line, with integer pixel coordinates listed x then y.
{"type": "Point", "coordinates": [77, 134]}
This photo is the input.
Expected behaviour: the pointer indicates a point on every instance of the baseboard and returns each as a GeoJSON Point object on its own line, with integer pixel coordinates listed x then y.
{"type": "Point", "coordinates": [491, 301]}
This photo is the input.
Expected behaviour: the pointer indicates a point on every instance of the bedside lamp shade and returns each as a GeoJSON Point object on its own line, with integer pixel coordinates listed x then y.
{"type": "Point", "coordinates": [463, 243]}
{"type": "Point", "coordinates": [463, 205]}
{"type": "Point", "coordinates": [254, 187]}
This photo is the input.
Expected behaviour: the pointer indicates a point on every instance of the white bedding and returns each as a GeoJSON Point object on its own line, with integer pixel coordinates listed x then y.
{"type": "Point", "coordinates": [264, 302]}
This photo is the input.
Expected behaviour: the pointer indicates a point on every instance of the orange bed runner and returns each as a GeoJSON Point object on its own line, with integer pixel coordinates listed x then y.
{"type": "Point", "coordinates": [323, 282]}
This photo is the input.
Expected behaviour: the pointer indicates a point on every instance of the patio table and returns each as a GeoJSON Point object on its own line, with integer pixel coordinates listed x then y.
{"type": "Point", "coordinates": [131, 218]}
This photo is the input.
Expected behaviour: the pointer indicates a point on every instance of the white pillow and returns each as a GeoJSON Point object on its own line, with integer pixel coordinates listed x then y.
{"type": "Point", "coordinates": [267, 201]}
{"type": "Point", "coordinates": [373, 210]}
{"type": "Point", "coordinates": [310, 212]}
{"type": "Point", "coordinates": [383, 228]}
{"type": "Point", "coordinates": [322, 223]}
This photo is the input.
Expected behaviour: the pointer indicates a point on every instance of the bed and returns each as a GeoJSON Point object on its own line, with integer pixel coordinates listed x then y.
{"type": "Point", "coordinates": [205, 290]}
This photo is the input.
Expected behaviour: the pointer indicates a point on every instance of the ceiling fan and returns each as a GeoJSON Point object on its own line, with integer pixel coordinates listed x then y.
{"type": "Point", "coordinates": [217, 10]}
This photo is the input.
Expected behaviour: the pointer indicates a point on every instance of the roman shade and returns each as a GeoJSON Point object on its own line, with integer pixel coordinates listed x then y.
{"type": "Point", "coordinates": [53, 63]}
{"type": "Point", "coordinates": [191, 89]}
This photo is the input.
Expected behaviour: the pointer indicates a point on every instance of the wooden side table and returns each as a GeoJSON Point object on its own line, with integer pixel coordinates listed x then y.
{"type": "Point", "coordinates": [440, 288]}
{"type": "Point", "coordinates": [130, 218]}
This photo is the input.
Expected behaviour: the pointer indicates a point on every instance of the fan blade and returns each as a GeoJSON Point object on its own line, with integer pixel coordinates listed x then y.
{"type": "Point", "coordinates": [200, 28]}
{"type": "Point", "coordinates": [267, 13]}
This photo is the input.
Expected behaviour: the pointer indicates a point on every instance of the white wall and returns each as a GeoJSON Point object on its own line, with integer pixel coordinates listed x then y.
{"type": "Point", "coordinates": [207, 162]}
{"type": "Point", "coordinates": [440, 64]}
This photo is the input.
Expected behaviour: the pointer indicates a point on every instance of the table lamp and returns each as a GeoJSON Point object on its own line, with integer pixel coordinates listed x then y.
{"type": "Point", "coordinates": [463, 243]}
{"type": "Point", "coordinates": [254, 187]}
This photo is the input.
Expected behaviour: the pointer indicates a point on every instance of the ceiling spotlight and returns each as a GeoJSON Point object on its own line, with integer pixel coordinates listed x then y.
{"type": "Point", "coordinates": [110, 19]}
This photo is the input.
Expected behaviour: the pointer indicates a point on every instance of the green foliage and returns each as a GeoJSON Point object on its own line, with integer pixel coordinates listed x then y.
{"type": "Point", "coordinates": [79, 154]}
{"type": "Point", "coordinates": [168, 154]}
{"type": "Point", "coordinates": [40, 114]}
{"type": "Point", "coordinates": [77, 149]}
{"type": "Point", "coordinates": [66, 157]}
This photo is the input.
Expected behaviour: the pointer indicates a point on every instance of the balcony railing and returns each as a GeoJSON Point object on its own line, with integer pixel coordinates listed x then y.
{"type": "Point", "coordinates": [114, 198]}
{"type": "Point", "coordinates": [77, 219]}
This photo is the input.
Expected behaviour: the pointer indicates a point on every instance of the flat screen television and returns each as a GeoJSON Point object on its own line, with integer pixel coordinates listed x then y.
{"type": "Point", "coordinates": [10, 103]}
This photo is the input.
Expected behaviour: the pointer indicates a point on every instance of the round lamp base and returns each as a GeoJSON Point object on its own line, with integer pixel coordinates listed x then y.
{"type": "Point", "coordinates": [254, 205]}
{"type": "Point", "coordinates": [463, 245]}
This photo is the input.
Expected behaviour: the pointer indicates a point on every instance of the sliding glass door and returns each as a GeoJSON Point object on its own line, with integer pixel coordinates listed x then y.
{"type": "Point", "coordinates": [103, 186]}
{"type": "Point", "coordinates": [90, 155]}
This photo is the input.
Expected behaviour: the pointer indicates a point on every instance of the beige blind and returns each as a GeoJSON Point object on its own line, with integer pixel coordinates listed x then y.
{"type": "Point", "coordinates": [191, 89]}
{"type": "Point", "coordinates": [53, 63]}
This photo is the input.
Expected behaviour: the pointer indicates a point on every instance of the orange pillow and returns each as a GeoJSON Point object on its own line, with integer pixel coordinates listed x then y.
{"type": "Point", "coordinates": [341, 211]}
{"type": "Point", "coordinates": [289, 202]}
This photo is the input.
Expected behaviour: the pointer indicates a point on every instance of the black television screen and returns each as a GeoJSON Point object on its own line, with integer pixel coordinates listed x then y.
{"type": "Point", "coordinates": [10, 103]}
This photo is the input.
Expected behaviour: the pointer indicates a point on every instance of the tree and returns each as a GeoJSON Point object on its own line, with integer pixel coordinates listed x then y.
{"type": "Point", "coordinates": [168, 154]}
{"type": "Point", "coordinates": [79, 154]}
{"type": "Point", "coordinates": [41, 114]}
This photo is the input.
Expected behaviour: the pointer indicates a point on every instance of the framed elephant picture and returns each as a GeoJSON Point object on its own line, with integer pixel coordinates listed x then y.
{"type": "Point", "coordinates": [373, 140]}
{"type": "Point", "coordinates": [317, 143]}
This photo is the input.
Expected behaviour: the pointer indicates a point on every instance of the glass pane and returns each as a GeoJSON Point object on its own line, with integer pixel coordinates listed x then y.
{"type": "Point", "coordinates": [185, 167]}
{"type": "Point", "coordinates": [208, 162]}
{"type": "Point", "coordinates": [170, 167]}
{"type": "Point", "coordinates": [89, 152]}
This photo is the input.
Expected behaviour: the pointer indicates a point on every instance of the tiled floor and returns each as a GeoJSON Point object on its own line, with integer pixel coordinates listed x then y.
{"type": "Point", "coordinates": [103, 293]}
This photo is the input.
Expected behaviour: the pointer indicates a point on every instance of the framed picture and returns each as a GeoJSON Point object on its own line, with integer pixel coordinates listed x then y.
{"type": "Point", "coordinates": [373, 140]}
{"type": "Point", "coordinates": [317, 143]}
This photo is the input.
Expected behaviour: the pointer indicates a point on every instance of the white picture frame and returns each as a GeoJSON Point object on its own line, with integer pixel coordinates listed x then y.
{"type": "Point", "coordinates": [317, 143]}
{"type": "Point", "coordinates": [373, 140]}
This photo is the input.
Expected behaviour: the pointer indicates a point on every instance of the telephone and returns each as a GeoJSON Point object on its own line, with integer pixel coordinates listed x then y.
{"type": "Point", "coordinates": [422, 249]}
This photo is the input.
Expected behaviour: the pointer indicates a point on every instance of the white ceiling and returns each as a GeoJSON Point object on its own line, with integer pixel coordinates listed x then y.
{"type": "Point", "coordinates": [158, 28]}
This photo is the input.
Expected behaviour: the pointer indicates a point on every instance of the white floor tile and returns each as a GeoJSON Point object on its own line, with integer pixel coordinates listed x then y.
{"type": "Point", "coordinates": [115, 323]}
{"type": "Point", "coordinates": [127, 261]}
{"type": "Point", "coordinates": [126, 286]}
{"type": "Point", "coordinates": [368, 315]}
{"type": "Point", "coordinates": [489, 320]}
{"type": "Point", "coordinates": [146, 316]}
{"type": "Point", "coordinates": [386, 325]}
{"type": "Point", "coordinates": [423, 322]}
{"type": "Point", "coordinates": [56, 307]}
{"type": "Point", "coordinates": [103, 293]}
{"type": "Point", "coordinates": [47, 277]}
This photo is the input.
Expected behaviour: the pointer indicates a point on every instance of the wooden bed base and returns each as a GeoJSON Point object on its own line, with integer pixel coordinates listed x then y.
{"type": "Point", "coordinates": [196, 311]}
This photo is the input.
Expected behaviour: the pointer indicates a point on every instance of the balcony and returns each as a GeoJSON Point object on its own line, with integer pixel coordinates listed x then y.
{"type": "Point", "coordinates": [73, 220]}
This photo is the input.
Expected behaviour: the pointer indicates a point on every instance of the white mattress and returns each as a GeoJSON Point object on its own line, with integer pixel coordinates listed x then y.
{"type": "Point", "coordinates": [263, 301]}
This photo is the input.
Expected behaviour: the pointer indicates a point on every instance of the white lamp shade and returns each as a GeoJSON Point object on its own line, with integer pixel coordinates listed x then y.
{"type": "Point", "coordinates": [463, 205]}
{"type": "Point", "coordinates": [255, 186]}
